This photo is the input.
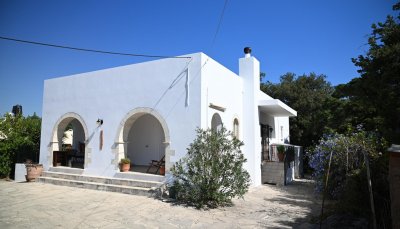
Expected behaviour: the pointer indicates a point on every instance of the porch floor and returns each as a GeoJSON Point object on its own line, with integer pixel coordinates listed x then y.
{"type": "Point", "coordinates": [143, 169]}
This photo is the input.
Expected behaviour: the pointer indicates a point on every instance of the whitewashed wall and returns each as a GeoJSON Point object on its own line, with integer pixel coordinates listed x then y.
{"type": "Point", "coordinates": [111, 93]}
{"type": "Point", "coordinates": [223, 88]}
{"type": "Point", "coordinates": [179, 91]}
{"type": "Point", "coordinates": [281, 130]}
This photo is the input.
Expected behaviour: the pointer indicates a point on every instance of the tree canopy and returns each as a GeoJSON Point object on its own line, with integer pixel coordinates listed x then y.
{"type": "Point", "coordinates": [370, 101]}
{"type": "Point", "coordinates": [308, 95]}
{"type": "Point", "coordinates": [374, 97]}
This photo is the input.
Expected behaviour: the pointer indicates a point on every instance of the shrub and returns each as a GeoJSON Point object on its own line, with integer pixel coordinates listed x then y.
{"type": "Point", "coordinates": [348, 178]}
{"type": "Point", "coordinates": [347, 157]}
{"type": "Point", "coordinates": [19, 140]}
{"type": "Point", "coordinates": [211, 173]}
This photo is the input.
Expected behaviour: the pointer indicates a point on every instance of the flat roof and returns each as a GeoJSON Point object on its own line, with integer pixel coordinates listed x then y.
{"type": "Point", "coordinates": [276, 108]}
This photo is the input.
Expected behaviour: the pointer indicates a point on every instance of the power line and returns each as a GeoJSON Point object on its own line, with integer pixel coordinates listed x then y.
{"type": "Point", "coordinates": [219, 24]}
{"type": "Point", "coordinates": [92, 50]}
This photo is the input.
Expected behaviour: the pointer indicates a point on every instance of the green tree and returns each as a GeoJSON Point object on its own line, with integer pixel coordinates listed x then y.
{"type": "Point", "coordinates": [19, 140]}
{"type": "Point", "coordinates": [310, 95]}
{"type": "Point", "coordinates": [373, 99]}
{"type": "Point", "coordinates": [211, 173]}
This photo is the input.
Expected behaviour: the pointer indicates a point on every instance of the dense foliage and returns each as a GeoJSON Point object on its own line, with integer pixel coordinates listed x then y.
{"type": "Point", "coordinates": [211, 173]}
{"type": "Point", "coordinates": [373, 99]}
{"type": "Point", "coordinates": [334, 115]}
{"type": "Point", "coordinates": [347, 175]}
{"type": "Point", "coordinates": [347, 158]}
{"type": "Point", "coordinates": [19, 141]}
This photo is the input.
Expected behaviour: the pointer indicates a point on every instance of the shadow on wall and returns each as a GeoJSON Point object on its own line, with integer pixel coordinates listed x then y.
{"type": "Point", "coordinates": [89, 139]}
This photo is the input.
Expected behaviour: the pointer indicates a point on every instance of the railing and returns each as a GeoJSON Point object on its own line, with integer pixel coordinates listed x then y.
{"type": "Point", "coordinates": [290, 152]}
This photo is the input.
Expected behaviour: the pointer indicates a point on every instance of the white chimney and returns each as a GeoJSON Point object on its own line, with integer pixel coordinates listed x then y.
{"type": "Point", "coordinates": [249, 70]}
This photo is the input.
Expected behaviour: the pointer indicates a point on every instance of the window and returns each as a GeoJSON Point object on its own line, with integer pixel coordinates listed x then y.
{"type": "Point", "coordinates": [236, 128]}
{"type": "Point", "coordinates": [216, 122]}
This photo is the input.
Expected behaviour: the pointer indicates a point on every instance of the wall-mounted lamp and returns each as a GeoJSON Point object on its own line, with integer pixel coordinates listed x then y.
{"type": "Point", "coordinates": [99, 121]}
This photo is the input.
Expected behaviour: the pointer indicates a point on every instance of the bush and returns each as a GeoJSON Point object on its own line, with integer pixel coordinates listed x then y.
{"type": "Point", "coordinates": [19, 141]}
{"type": "Point", "coordinates": [211, 173]}
{"type": "Point", "coordinates": [348, 178]}
{"type": "Point", "coordinates": [347, 157]}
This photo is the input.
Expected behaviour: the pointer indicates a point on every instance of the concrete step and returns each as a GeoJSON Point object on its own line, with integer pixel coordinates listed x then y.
{"type": "Point", "coordinates": [140, 176]}
{"type": "Point", "coordinates": [98, 186]}
{"type": "Point", "coordinates": [62, 169]}
{"type": "Point", "coordinates": [103, 180]}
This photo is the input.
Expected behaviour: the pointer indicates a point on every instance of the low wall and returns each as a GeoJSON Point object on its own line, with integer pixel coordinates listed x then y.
{"type": "Point", "coordinates": [274, 172]}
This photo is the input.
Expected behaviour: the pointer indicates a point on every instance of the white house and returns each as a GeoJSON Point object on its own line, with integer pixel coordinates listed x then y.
{"type": "Point", "coordinates": [152, 109]}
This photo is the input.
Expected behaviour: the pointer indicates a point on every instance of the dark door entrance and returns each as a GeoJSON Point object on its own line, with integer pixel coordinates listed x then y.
{"type": "Point", "coordinates": [265, 136]}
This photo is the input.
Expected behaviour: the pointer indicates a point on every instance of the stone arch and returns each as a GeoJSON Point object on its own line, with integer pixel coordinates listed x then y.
{"type": "Point", "coordinates": [216, 122]}
{"type": "Point", "coordinates": [120, 147]}
{"type": "Point", "coordinates": [57, 134]}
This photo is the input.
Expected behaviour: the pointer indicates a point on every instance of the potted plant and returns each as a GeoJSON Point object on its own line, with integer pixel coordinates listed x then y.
{"type": "Point", "coordinates": [125, 164]}
{"type": "Point", "coordinates": [281, 152]}
{"type": "Point", "coordinates": [33, 170]}
{"type": "Point", "coordinates": [162, 170]}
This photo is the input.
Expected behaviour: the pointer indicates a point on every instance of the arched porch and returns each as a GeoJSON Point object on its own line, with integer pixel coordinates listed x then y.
{"type": "Point", "coordinates": [143, 136]}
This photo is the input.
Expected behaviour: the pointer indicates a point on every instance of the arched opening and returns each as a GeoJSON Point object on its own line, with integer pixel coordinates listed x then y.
{"type": "Point", "coordinates": [236, 128]}
{"type": "Point", "coordinates": [216, 122]}
{"type": "Point", "coordinates": [143, 137]}
{"type": "Point", "coordinates": [68, 147]}
{"type": "Point", "coordinates": [145, 141]}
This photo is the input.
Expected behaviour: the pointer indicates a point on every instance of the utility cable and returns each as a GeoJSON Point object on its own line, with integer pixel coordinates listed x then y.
{"type": "Point", "coordinates": [219, 24]}
{"type": "Point", "coordinates": [92, 50]}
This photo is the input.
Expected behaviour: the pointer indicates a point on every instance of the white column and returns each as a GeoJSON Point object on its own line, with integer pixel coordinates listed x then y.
{"type": "Point", "coordinates": [249, 70]}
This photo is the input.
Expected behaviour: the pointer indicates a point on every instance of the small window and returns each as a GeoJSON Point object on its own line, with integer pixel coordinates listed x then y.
{"type": "Point", "coordinates": [236, 128]}
{"type": "Point", "coordinates": [216, 122]}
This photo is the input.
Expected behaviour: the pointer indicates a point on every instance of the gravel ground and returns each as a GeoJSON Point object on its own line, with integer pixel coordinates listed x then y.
{"type": "Point", "coordinates": [36, 205]}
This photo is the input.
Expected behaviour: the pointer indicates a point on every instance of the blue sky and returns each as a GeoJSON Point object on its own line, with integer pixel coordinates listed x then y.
{"type": "Point", "coordinates": [286, 36]}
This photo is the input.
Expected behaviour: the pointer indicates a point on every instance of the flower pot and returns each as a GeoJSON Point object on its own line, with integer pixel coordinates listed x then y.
{"type": "Point", "coordinates": [33, 171]}
{"type": "Point", "coordinates": [162, 170]}
{"type": "Point", "coordinates": [125, 167]}
{"type": "Point", "coordinates": [281, 156]}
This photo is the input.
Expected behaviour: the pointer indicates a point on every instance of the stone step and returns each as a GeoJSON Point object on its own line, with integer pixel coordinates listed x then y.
{"type": "Point", "coordinates": [103, 180]}
{"type": "Point", "coordinates": [62, 169]}
{"type": "Point", "coordinates": [140, 176]}
{"type": "Point", "coordinates": [98, 186]}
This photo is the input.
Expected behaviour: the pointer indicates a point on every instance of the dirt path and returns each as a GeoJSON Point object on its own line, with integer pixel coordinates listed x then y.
{"type": "Point", "coordinates": [35, 205]}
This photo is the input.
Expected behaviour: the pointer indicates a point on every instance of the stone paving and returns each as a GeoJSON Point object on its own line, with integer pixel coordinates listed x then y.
{"type": "Point", "coordinates": [38, 205]}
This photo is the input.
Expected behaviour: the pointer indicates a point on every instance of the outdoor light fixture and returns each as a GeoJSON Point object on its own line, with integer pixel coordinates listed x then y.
{"type": "Point", "coordinates": [99, 121]}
